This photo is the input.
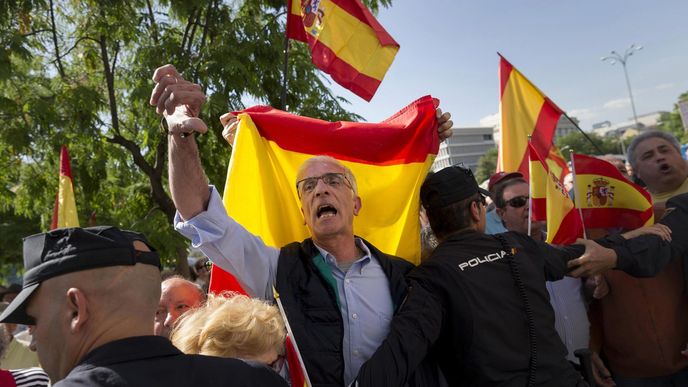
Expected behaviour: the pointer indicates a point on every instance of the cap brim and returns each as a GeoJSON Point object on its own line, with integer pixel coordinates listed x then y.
{"type": "Point", "coordinates": [484, 192]}
{"type": "Point", "coordinates": [15, 313]}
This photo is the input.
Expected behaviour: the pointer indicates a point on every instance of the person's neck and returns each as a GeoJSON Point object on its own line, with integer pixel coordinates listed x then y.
{"type": "Point", "coordinates": [342, 247]}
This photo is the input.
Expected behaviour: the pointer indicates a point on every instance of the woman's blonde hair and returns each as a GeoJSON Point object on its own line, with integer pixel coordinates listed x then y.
{"type": "Point", "coordinates": [230, 325]}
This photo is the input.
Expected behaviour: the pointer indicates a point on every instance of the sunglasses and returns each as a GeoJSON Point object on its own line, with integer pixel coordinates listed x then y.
{"type": "Point", "coordinates": [517, 202]}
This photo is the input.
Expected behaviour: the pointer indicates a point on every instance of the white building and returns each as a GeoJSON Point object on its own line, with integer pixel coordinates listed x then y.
{"type": "Point", "coordinates": [466, 146]}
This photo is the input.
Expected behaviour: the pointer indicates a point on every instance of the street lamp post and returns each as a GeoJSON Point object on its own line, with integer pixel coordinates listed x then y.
{"type": "Point", "coordinates": [616, 57]}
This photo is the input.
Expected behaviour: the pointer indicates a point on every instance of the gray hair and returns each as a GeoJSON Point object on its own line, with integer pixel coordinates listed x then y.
{"type": "Point", "coordinates": [329, 159]}
{"type": "Point", "coordinates": [668, 137]}
{"type": "Point", "coordinates": [182, 280]}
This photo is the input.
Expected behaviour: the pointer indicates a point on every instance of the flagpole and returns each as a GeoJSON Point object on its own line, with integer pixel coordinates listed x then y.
{"type": "Point", "coordinates": [293, 339]}
{"type": "Point", "coordinates": [286, 70]}
{"type": "Point", "coordinates": [584, 134]}
{"type": "Point", "coordinates": [576, 197]}
{"type": "Point", "coordinates": [530, 190]}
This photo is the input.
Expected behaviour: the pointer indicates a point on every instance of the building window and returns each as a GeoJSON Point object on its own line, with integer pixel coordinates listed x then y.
{"type": "Point", "coordinates": [487, 137]}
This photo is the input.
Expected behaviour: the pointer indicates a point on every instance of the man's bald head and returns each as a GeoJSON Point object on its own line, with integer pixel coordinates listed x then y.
{"type": "Point", "coordinates": [83, 288]}
{"type": "Point", "coordinates": [177, 296]}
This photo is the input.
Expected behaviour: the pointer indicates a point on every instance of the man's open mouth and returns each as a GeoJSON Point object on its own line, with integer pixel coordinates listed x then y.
{"type": "Point", "coordinates": [664, 167]}
{"type": "Point", "coordinates": [325, 211]}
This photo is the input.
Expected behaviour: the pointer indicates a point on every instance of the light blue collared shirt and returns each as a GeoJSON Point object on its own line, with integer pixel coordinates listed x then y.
{"type": "Point", "coordinates": [364, 293]}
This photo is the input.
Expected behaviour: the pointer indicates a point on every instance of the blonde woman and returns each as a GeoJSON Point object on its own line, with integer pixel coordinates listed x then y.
{"type": "Point", "coordinates": [233, 325]}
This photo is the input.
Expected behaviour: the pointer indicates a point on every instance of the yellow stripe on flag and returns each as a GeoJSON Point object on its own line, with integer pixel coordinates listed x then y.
{"type": "Point", "coordinates": [269, 206]}
{"type": "Point", "coordinates": [559, 205]}
{"type": "Point", "coordinates": [66, 213]}
{"type": "Point", "coordinates": [354, 42]}
{"type": "Point", "coordinates": [519, 110]}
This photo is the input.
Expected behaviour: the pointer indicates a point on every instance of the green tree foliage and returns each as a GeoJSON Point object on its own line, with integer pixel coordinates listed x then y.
{"type": "Point", "coordinates": [78, 73]}
{"type": "Point", "coordinates": [671, 122]}
{"type": "Point", "coordinates": [487, 165]}
{"type": "Point", "coordinates": [578, 143]}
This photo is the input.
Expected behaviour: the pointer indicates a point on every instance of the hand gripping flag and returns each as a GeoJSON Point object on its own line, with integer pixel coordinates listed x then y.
{"type": "Point", "coordinates": [64, 212]}
{"type": "Point", "coordinates": [607, 198]}
{"type": "Point", "coordinates": [389, 160]}
{"type": "Point", "coordinates": [346, 41]}
{"type": "Point", "coordinates": [524, 111]}
{"type": "Point", "coordinates": [564, 224]}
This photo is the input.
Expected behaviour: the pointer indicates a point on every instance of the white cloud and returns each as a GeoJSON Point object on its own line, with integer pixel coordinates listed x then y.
{"type": "Point", "coordinates": [617, 103]}
{"type": "Point", "coordinates": [583, 113]}
{"type": "Point", "coordinates": [665, 86]}
{"type": "Point", "coordinates": [490, 121]}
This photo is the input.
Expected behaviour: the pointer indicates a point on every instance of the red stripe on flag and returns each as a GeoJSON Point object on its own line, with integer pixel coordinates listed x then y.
{"type": "Point", "coordinates": [295, 28]}
{"type": "Point", "coordinates": [342, 72]}
{"type": "Point", "coordinates": [393, 141]}
{"type": "Point", "coordinates": [538, 207]}
{"type": "Point", "coordinates": [570, 229]}
{"type": "Point", "coordinates": [612, 217]}
{"type": "Point", "coordinates": [222, 281]}
{"type": "Point", "coordinates": [356, 9]}
{"type": "Point", "coordinates": [505, 69]}
{"type": "Point", "coordinates": [544, 127]}
{"type": "Point", "coordinates": [65, 167]}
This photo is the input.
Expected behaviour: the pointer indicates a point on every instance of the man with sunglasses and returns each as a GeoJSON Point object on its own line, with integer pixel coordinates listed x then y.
{"type": "Point", "coordinates": [479, 304]}
{"type": "Point", "coordinates": [339, 292]}
{"type": "Point", "coordinates": [512, 199]}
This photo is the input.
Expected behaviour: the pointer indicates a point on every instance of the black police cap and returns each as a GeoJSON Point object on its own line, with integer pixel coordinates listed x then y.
{"type": "Point", "coordinates": [449, 185]}
{"type": "Point", "coordinates": [68, 250]}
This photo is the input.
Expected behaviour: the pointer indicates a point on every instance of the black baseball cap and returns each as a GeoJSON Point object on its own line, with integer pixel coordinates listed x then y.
{"type": "Point", "coordinates": [448, 186]}
{"type": "Point", "coordinates": [68, 250]}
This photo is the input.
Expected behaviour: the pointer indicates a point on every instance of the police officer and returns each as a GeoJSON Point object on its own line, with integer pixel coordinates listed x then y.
{"type": "Point", "coordinates": [479, 305]}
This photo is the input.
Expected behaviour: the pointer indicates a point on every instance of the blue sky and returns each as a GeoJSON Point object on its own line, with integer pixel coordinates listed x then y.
{"type": "Point", "coordinates": [448, 49]}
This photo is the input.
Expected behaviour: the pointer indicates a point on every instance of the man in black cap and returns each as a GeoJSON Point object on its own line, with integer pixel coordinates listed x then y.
{"type": "Point", "coordinates": [479, 304]}
{"type": "Point", "coordinates": [91, 296]}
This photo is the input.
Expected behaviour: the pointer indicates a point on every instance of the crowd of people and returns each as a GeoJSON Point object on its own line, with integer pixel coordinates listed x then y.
{"type": "Point", "coordinates": [491, 304]}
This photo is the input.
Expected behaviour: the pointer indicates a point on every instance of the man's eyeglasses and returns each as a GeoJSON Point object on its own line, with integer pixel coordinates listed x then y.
{"type": "Point", "coordinates": [332, 179]}
{"type": "Point", "coordinates": [518, 201]}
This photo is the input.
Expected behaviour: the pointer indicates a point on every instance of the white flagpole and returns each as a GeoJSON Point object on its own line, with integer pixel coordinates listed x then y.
{"type": "Point", "coordinates": [530, 189]}
{"type": "Point", "coordinates": [576, 197]}
{"type": "Point", "coordinates": [291, 334]}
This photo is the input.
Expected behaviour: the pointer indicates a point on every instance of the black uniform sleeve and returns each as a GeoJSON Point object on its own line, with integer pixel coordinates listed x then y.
{"type": "Point", "coordinates": [643, 256]}
{"type": "Point", "coordinates": [555, 257]}
{"type": "Point", "coordinates": [414, 329]}
{"type": "Point", "coordinates": [676, 218]}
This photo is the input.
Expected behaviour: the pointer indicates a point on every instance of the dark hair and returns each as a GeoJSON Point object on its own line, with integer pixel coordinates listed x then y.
{"type": "Point", "coordinates": [668, 137]}
{"type": "Point", "coordinates": [452, 218]}
{"type": "Point", "coordinates": [501, 187]}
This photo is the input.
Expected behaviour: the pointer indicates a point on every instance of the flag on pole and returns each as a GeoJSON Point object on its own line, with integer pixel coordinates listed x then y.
{"type": "Point", "coordinates": [564, 224]}
{"type": "Point", "coordinates": [557, 163]}
{"type": "Point", "coordinates": [298, 374]}
{"type": "Point", "coordinates": [346, 41]}
{"type": "Point", "coordinates": [389, 160]}
{"type": "Point", "coordinates": [607, 198]}
{"type": "Point", "coordinates": [64, 212]}
{"type": "Point", "coordinates": [524, 111]}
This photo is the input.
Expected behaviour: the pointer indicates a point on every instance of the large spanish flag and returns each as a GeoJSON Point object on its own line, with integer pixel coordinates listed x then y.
{"type": "Point", "coordinates": [346, 42]}
{"type": "Point", "coordinates": [564, 224]}
{"type": "Point", "coordinates": [607, 198]}
{"type": "Point", "coordinates": [64, 212]}
{"type": "Point", "coordinates": [524, 111]}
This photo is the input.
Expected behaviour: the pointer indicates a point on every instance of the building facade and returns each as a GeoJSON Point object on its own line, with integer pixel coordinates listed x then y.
{"type": "Point", "coordinates": [466, 146]}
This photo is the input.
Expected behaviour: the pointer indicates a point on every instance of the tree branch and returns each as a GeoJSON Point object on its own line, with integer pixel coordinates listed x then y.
{"type": "Point", "coordinates": [154, 27]}
{"type": "Point", "coordinates": [60, 68]}
{"type": "Point", "coordinates": [110, 82]}
{"type": "Point", "coordinates": [154, 175]}
{"type": "Point", "coordinates": [186, 31]}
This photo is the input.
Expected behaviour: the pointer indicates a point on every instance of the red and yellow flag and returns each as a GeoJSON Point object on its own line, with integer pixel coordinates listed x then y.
{"type": "Point", "coordinates": [389, 160]}
{"type": "Point", "coordinates": [346, 42]}
{"type": "Point", "coordinates": [524, 111]}
{"type": "Point", "coordinates": [607, 199]}
{"type": "Point", "coordinates": [64, 212]}
{"type": "Point", "coordinates": [564, 224]}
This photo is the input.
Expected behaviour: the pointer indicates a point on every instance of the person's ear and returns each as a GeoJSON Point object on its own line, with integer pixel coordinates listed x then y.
{"type": "Point", "coordinates": [78, 308]}
{"type": "Point", "coordinates": [357, 205]}
{"type": "Point", "coordinates": [475, 211]}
